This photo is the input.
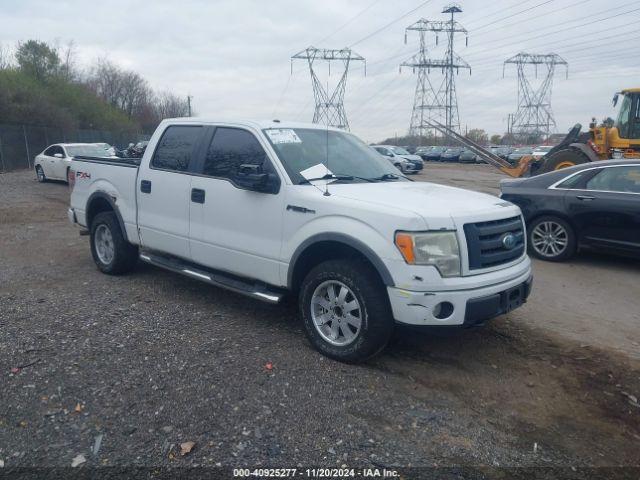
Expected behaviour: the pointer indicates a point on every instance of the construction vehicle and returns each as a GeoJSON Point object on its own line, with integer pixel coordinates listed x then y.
{"type": "Point", "coordinates": [602, 142]}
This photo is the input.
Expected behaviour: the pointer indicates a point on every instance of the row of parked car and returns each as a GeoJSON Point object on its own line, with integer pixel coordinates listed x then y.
{"type": "Point", "coordinates": [464, 155]}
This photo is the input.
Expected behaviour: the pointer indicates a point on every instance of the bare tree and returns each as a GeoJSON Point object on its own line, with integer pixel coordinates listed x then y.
{"type": "Point", "coordinates": [5, 57]}
{"type": "Point", "coordinates": [67, 56]}
{"type": "Point", "coordinates": [106, 81]}
{"type": "Point", "coordinates": [169, 105]}
{"type": "Point", "coordinates": [134, 94]}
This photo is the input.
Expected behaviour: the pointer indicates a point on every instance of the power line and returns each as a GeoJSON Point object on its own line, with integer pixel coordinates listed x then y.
{"type": "Point", "coordinates": [513, 15]}
{"type": "Point", "coordinates": [384, 27]}
{"type": "Point", "coordinates": [348, 22]}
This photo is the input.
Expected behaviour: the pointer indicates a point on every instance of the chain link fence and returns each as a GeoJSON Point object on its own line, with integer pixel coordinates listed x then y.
{"type": "Point", "coordinates": [19, 144]}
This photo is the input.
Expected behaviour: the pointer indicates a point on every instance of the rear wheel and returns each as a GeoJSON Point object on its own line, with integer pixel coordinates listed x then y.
{"type": "Point", "coordinates": [345, 310]}
{"type": "Point", "coordinates": [551, 238]}
{"type": "Point", "coordinates": [110, 250]}
{"type": "Point", "coordinates": [40, 174]}
{"type": "Point", "coordinates": [563, 159]}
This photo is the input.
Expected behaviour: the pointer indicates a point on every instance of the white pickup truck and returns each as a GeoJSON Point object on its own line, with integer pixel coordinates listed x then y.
{"type": "Point", "coordinates": [268, 209]}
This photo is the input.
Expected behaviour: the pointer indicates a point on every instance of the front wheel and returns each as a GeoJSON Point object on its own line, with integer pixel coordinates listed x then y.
{"type": "Point", "coordinates": [345, 310]}
{"type": "Point", "coordinates": [551, 238]}
{"type": "Point", "coordinates": [110, 250]}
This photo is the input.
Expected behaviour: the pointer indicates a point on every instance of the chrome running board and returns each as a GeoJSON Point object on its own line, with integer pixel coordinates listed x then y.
{"type": "Point", "coordinates": [219, 279]}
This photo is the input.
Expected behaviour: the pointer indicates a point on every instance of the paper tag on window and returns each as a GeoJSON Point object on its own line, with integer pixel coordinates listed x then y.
{"type": "Point", "coordinates": [317, 171]}
{"type": "Point", "coordinates": [283, 135]}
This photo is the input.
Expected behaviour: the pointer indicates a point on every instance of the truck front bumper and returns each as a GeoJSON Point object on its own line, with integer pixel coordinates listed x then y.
{"type": "Point", "coordinates": [459, 307]}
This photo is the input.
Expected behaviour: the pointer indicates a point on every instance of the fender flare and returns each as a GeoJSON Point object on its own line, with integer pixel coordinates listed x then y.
{"type": "Point", "coordinates": [584, 148]}
{"type": "Point", "coordinates": [114, 207]}
{"type": "Point", "coordinates": [361, 247]}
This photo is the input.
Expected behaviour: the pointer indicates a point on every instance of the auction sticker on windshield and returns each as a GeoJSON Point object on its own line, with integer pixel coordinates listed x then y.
{"type": "Point", "coordinates": [282, 135]}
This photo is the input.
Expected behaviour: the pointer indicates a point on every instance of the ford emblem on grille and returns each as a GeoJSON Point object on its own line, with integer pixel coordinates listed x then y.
{"type": "Point", "coordinates": [509, 240]}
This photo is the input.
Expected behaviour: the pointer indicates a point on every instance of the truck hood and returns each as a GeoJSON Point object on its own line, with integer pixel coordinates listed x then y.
{"type": "Point", "coordinates": [440, 206]}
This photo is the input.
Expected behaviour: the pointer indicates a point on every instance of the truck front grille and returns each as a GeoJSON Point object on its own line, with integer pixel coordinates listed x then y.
{"type": "Point", "coordinates": [494, 242]}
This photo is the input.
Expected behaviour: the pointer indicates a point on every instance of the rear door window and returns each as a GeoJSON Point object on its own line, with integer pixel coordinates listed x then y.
{"type": "Point", "coordinates": [176, 148]}
{"type": "Point", "coordinates": [616, 179]}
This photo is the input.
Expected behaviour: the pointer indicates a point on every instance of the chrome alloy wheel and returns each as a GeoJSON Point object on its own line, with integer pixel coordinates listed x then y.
{"type": "Point", "coordinates": [104, 244]}
{"type": "Point", "coordinates": [336, 313]}
{"type": "Point", "coordinates": [549, 239]}
{"type": "Point", "coordinates": [40, 173]}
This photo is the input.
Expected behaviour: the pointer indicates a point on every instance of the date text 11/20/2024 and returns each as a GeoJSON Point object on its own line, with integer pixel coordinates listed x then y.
{"type": "Point", "coordinates": [316, 472]}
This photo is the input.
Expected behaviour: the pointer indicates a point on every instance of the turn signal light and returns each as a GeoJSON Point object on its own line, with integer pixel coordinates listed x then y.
{"type": "Point", "coordinates": [404, 243]}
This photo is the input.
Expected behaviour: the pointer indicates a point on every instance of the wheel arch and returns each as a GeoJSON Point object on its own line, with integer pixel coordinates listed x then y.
{"type": "Point", "coordinates": [585, 150]}
{"type": "Point", "coordinates": [102, 202]}
{"type": "Point", "coordinates": [326, 246]}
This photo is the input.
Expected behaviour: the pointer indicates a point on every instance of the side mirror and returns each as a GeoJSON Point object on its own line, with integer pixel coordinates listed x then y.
{"type": "Point", "coordinates": [252, 177]}
{"type": "Point", "coordinates": [58, 155]}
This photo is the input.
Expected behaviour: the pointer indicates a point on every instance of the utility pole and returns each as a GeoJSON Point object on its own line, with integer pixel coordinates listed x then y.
{"type": "Point", "coordinates": [453, 62]}
{"type": "Point", "coordinates": [534, 118]}
{"type": "Point", "coordinates": [189, 97]}
{"type": "Point", "coordinates": [329, 109]}
{"type": "Point", "coordinates": [429, 103]}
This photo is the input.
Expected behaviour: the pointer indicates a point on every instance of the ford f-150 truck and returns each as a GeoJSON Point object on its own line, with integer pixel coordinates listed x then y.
{"type": "Point", "coordinates": [270, 208]}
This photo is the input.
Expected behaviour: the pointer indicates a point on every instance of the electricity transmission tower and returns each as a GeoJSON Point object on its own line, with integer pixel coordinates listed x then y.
{"type": "Point", "coordinates": [329, 108]}
{"type": "Point", "coordinates": [430, 103]}
{"type": "Point", "coordinates": [533, 119]}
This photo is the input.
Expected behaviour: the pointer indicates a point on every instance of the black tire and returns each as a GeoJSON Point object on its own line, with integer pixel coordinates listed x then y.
{"type": "Point", "coordinates": [376, 318]}
{"type": "Point", "coordinates": [42, 178]}
{"type": "Point", "coordinates": [533, 234]}
{"type": "Point", "coordinates": [125, 255]}
{"type": "Point", "coordinates": [565, 158]}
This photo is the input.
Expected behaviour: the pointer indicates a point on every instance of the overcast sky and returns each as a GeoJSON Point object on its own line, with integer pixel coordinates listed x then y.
{"type": "Point", "coordinates": [233, 55]}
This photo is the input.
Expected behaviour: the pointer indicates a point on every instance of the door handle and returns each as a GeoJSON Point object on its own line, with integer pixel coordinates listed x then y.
{"type": "Point", "coordinates": [585, 197]}
{"type": "Point", "coordinates": [197, 195]}
{"type": "Point", "coordinates": [145, 186]}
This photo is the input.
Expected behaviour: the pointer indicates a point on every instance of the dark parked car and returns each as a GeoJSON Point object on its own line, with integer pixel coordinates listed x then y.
{"type": "Point", "coordinates": [433, 154]}
{"type": "Point", "coordinates": [467, 156]}
{"type": "Point", "coordinates": [451, 154]}
{"type": "Point", "coordinates": [595, 205]}
{"type": "Point", "coordinates": [409, 148]}
{"type": "Point", "coordinates": [503, 152]}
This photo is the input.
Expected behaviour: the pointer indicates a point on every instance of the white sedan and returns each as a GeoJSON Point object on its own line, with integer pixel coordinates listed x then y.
{"type": "Point", "coordinates": [54, 162]}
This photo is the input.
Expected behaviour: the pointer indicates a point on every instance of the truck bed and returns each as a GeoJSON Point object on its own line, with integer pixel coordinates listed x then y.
{"type": "Point", "coordinates": [112, 178]}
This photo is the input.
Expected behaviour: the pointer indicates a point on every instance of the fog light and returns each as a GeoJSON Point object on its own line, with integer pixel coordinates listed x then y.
{"type": "Point", "coordinates": [443, 310]}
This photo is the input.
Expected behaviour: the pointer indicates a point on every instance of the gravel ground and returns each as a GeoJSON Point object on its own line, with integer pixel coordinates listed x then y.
{"type": "Point", "coordinates": [137, 365]}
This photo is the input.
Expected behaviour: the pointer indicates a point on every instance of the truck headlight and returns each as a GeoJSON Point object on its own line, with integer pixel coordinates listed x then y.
{"type": "Point", "coordinates": [439, 249]}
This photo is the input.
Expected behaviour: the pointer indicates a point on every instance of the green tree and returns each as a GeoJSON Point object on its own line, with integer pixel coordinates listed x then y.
{"type": "Point", "coordinates": [495, 139]}
{"type": "Point", "coordinates": [37, 59]}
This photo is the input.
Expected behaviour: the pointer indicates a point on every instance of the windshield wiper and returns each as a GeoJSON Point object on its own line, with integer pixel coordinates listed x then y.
{"type": "Point", "coordinates": [386, 176]}
{"type": "Point", "coordinates": [331, 176]}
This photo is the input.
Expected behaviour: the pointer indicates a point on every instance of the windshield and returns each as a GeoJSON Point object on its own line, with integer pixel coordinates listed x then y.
{"type": "Point", "coordinates": [308, 153]}
{"type": "Point", "coordinates": [85, 150]}
{"type": "Point", "coordinates": [623, 117]}
{"type": "Point", "coordinates": [400, 151]}
{"type": "Point", "coordinates": [523, 150]}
